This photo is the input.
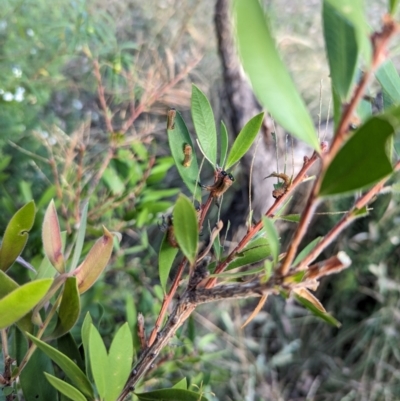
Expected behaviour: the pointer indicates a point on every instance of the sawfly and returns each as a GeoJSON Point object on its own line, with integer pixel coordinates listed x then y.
{"type": "Point", "coordinates": [171, 119]}
{"type": "Point", "coordinates": [187, 152]}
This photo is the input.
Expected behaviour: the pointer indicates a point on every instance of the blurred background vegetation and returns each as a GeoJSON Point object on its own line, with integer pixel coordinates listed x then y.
{"type": "Point", "coordinates": [84, 89]}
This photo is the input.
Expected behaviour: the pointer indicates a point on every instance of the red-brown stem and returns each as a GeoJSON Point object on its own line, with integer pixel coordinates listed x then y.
{"type": "Point", "coordinates": [102, 98]}
{"type": "Point", "coordinates": [257, 227]}
{"type": "Point", "coordinates": [379, 41]}
{"type": "Point", "coordinates": [166, 301]}
{"type": "Point", "coordinates": [204, 211]}
{"type": "Point", "coordinates": [344, 222]}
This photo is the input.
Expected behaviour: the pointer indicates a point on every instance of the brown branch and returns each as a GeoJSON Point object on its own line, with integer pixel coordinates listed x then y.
{"type": "Point", "coordinates": [344, 222]}
{"type": "Point", "coordinates": [166, 301]}
{"type": "Point", "coordinates": [192, 296]}
{"type": "Point", "coordinates": [308, 162]}
{"type": "Point", "coordinates": [379, 41]}
{"type": "Point", "coordinates": [102, 98]}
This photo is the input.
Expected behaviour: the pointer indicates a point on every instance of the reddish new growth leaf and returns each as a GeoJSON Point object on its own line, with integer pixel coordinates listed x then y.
{"type": "Point", "coordinates": [95, 262]}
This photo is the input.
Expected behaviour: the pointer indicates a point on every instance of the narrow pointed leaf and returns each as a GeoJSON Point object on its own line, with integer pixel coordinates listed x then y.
{"type": "Point", "coordinates": [304, 252]}
{"type": "Point", "coordinates": [51, 237]}
{"type": "Point", "coordinates": [19, 302]}
{"type": "Point", "coordinates": [389, 79]}
{"type": "Point", "coordinates": [346, 37]}
{"type": "Point", "coordinates": [69, 367]}
{"type": "Point", "coordinates": [244, 140]}
{"type": "Point", "coordinates": [119, 362]}
{"type": "Point", "coordinates": [341, 48]}
{"type": "Point", "coordinates": [393, 4]}
{"type": "Point", "coordinates": [257, 250]}
{"type": "Point", "coordinates": [32, 380]}
{"type": "Point", "coordinates": [177, 139]}
{"type": "Point", "coordinates": [270, 79]}
{"type": "Point", "coordinates": [98, 361]}
{"type": "Point", "coordinates": [70, 308]}
{"type": "Point", "coordinates": [182, 384]}
{"type": "Point", "coordinates": [316, 310]}
{"type": "Point", "coordinates": [228, 275]}
{"type": "Point", "coordinates": [85, 332]}
{"type": "Point", "coordinates": [171, 394]}
{"type": "Point", "coordinates": [7, 285]}
{"type": "Point", "coordinates": [186, 227]}
{"type": "Point", "coordinates": [223, 136]}
{"type": "Point", "coordinates": [165, 259]}
{"type": "Point", "coordinates": [204, 123]}
{"type": "Point", "coordinates": [16, 235]}
{"type": "Point", "coordinates": [272, 238]}
{"type": "Point", "coordinates": [95, 262]}
{"type": "Point", "coordinates": [80, 238]}
{"type": "Point", "coordinates": [294, 218]}
{"type": "Point", "coordinates": [65, 388]}
{"type": "Point", "coordinates": [68, 346]}
{"type": "Point", "coordinates": [362, 161]}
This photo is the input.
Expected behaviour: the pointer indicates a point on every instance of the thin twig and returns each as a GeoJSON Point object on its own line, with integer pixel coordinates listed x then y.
{"type": "Point", "coordinates": [257, 227]}
{"type": "Point", "coordinates": [344, 222]}
{"type": "Point", "coordinates": [379, 41]}
{"type": "Point", "coordinates": [102, 98]}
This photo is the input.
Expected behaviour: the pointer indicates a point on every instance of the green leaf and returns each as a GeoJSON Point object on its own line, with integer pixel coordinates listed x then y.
{"type": "Point", "coordinates": [70, 308]}
{"type": "Point", "coordinates": [177, 138]}
{"type": "Point", "coordinates": [218, 248]}
{"type": "Point", "coordinates": [244, 140]}
{"type": "Point", "coordinates": [346, 36]}
{"type": "Point", "coordinates": [305, 251]}
{"type": "Point", "coordinates": [32, 380]}
{"type": "Point", "coordinates": [317, 312]}
{"type": "Point", "coordinates": [165, 259]}
{"type": "Point", "coordinates": [389, 80]}
{"type": "Point", "coordinates": [270, 79]}
{"type": "Point", "coordinates": [85, 332]}
{"type": "Point", "coordinates": [272, 238]}
{"type": "Point", "coordinates": [51, 237]}
{"type": "Point", "coordinates": [119, 362]}
{"type": "Point", "coordinates": [357, 213]}
{"type": "Point", "coordinates": [182, 384]}
{"type": "Point", "coordinates": [170, 394]}
{"type": "Point", "coordinates": [67, 345]}
{"type": "Point", "coordinates": [98, 361]}
{"type": "Point", "coordinates": [16, 235]}
{"type": "Point", "coordinates": [7, 285]}
{"type": "Point", "coordinates": [362, 160]}
{"type": "Point", "coordinates": [341, 48]}
{"type": "Point", "coordinates": [69, 367]}
{"type": "Point", "coordinates": [19, 302]}
{"type": "Point", "coordinates": [256, 250]}
{"type": "Point", "coordinates": [64, 388]}
{"type": "Point", "coordinates": [80, 238]}
{"type": "Point", "coordinates": [186, 227]}
{"type": "Point", "coordinates": [204, 123]}
{"type": "Point", "coordinates": [294, 218]}
{"type": "Point", "coordinates": [229, 275]}
{"type": "Point", "coordinates": [223, 133]}
{"type": "Point", "coordinates": [113, 181]}
{"type": "Point", "coordinates": [393, 4]}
